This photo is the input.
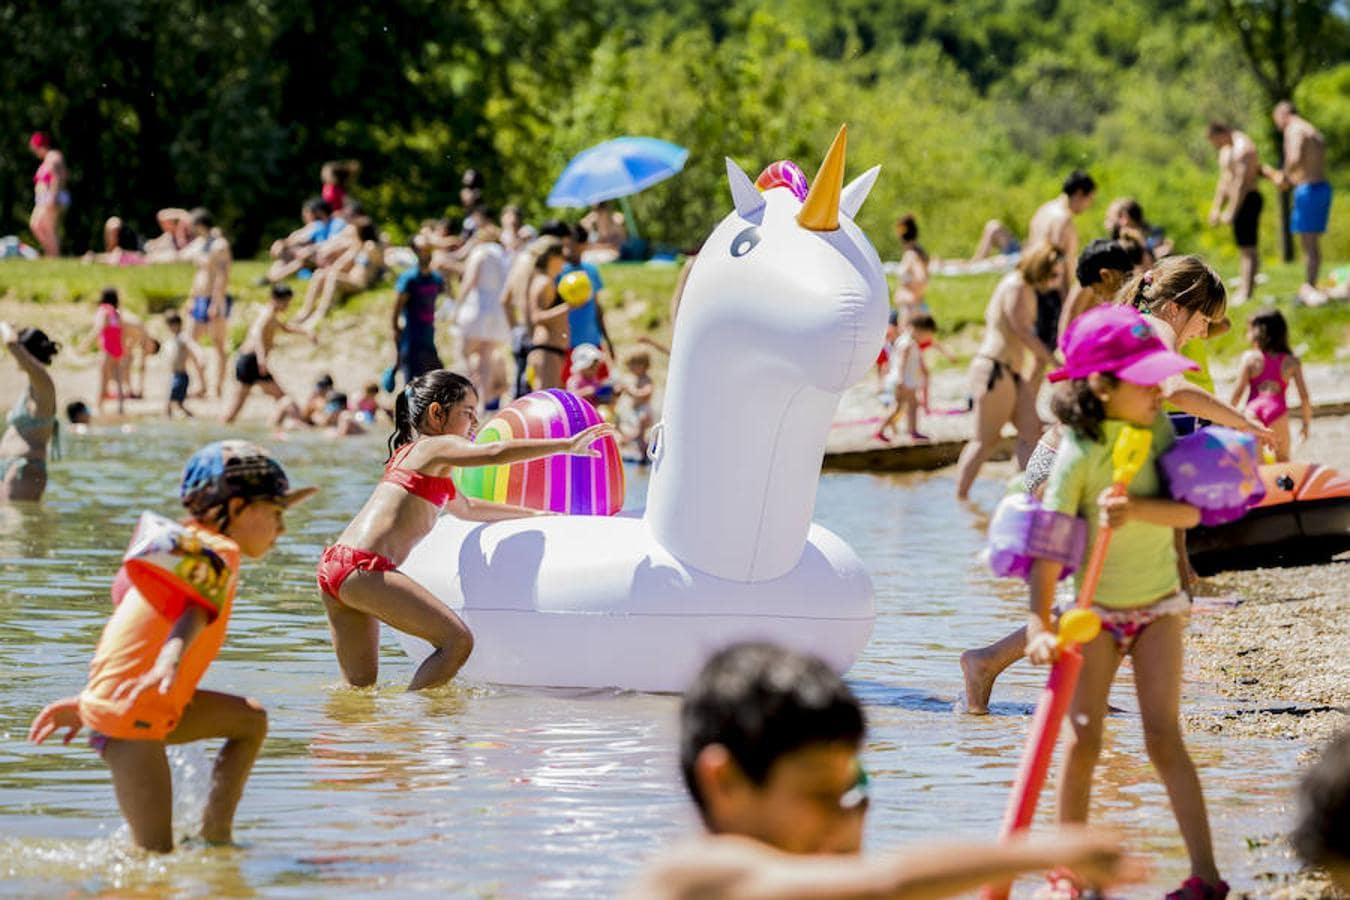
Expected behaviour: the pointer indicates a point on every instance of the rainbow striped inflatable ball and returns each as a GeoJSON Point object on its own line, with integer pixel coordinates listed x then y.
{"type": "Point", "coordinates": [575, 485]}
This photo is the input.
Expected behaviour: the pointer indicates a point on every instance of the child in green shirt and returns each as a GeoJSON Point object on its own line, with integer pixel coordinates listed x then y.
{"type": "Point", "coordinates": [1114, 364]}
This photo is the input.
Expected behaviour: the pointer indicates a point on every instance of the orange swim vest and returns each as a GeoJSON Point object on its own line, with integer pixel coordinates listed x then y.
{"type": "Point", "coordinates": [168, 567]}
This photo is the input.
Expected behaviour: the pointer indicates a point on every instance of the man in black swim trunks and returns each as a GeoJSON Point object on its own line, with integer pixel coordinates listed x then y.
{"type": "Point", "coordinates": [253, 365]}
{"type": "Point", "coordinates": [1237, 199]}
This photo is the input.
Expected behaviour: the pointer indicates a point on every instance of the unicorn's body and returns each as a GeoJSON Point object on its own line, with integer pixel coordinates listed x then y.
{"type": "Point", "coordinates": [783, 311]}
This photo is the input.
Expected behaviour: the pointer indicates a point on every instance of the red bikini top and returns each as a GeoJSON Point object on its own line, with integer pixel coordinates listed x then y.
{"type": "Point", "coordinates": [434, 489]}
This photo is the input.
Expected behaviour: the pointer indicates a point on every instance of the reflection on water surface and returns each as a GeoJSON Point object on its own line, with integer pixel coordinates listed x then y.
{"type": "Point", "coordinates": [504, 792]}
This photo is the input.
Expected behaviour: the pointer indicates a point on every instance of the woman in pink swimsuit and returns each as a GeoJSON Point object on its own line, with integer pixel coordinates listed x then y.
{"type": "Point", "coordinates": [1265, 372]}
{"type": "Point", "coordinates": [435, 418]}
{"type": "Point", "coordinates": [50, 196]}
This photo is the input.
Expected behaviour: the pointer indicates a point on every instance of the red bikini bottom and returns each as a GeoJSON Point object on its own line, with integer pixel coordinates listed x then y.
{"type": "Point", "coordinates": [339, 561]}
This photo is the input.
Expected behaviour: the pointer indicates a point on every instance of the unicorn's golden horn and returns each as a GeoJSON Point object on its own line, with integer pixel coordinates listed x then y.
{"type": "Point", "coordinates": [820, 212]}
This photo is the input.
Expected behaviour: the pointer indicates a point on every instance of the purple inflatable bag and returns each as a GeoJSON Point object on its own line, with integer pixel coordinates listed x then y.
{"type": "Point", "coordinates": [1023, 531]}
{"type": "Point", "coordinates": [1217, 470]}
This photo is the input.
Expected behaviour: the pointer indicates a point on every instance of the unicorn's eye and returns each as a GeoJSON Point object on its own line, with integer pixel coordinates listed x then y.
{"type": "Point", "coordinates": [744, 242]}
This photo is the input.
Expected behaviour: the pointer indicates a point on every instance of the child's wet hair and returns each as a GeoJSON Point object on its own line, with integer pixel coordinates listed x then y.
{"type": "Point", "coordinates": [282, 292]}
{"type": "Point", "coordinates": [173, 320]}
{"type": "Point", "coordinates": [438, 386]}
{"type": "Point", "coordinates": [1184, 280]}
{"type": "Point", "coordinates": [923, 322]}
{"type": "Point", "coordinates": [638, 358]}
{"type": "Point", "coordinates": [1270, 331]}
{"type": "Point", "coordinates": [1322, 835]}
{"type": "Point", "coordinates": [1075, 404]}
{"type": "Point", "coordinates": [109, 296]}
{"type": "Point", "coordinates": [762, 702]}
{"type": "Point", "coordinates": [36, 342]}
{"type": "Point", "coordinates": [1102, 254]}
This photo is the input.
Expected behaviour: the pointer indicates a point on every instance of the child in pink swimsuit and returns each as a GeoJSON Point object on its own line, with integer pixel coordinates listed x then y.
{"type": "Point", "coordinates": [1265, 373]}
{"type": "Point", "coordinates": [108, 332]}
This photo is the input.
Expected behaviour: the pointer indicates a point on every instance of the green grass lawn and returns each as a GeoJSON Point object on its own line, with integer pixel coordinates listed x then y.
{"type": "Point", "coordinates": [639, 298]}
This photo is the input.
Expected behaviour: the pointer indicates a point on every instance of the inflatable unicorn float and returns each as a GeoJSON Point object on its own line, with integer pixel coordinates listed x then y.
{"type": "Point", "coordinates": [783, 310]}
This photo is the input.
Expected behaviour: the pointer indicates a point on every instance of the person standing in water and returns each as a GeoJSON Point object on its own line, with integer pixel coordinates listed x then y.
{"type": "Point", "coordinates": [51, 194]}
{"type": "Point", "coordinates": [1000, 389]}
{"type": "Point", "coordinates": [1237, 199]}
{"type": "Point", "coordinates": [1304, 172]}
{"type": "Point", "coordinates": [435, 419]}
{"type": "Point", "coordinates": [31, 424]}
{"type": "Point", "coordinates": [1053, 223]}
{"type": "Point", "coordinates": [209, 300]}
{"type": "Point", "coordinates": [172, 601]}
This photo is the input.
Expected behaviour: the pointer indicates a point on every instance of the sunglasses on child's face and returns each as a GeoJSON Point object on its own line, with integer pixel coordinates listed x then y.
{"type": "Point", "coordinates": [857, 796]}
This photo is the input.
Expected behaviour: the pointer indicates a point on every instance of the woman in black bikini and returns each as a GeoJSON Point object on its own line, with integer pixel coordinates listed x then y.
{"type": "Point", "coordinates": [1000, 392]}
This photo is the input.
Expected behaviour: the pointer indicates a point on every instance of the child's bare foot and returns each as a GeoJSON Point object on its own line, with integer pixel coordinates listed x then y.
{"type": "Point", "coordinates": [918, 438]}
{"type": "Point", "coordinates": [979, 678]}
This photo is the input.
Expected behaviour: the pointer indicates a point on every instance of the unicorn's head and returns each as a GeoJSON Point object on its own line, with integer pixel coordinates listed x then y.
{"type": "Point", "coordinates": [790, 271]}
{"type": "Point", "coordinates": [784, 309]}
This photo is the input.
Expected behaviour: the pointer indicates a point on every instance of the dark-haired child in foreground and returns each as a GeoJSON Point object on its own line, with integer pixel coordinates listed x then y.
{"type": "Point", "coordinates": [769, 743]}
{"type": "Point", "coordinates": [435, 418]}
{"type": "Point", "coordinates": [1322, 836]}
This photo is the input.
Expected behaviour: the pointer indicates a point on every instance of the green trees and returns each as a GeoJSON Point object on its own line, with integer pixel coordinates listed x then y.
{"type": "Point", "coordinates": [975, 110]}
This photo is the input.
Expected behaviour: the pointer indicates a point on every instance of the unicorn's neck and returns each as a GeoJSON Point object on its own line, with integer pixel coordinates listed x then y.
{"type": "Point", "coordinates": [734, 484]}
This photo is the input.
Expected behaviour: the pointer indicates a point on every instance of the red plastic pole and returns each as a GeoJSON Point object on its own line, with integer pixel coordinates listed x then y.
{"type": "Point", "coordinates": [1039, 749]}
{"type": "Point", "coordinates": [1050, 710]}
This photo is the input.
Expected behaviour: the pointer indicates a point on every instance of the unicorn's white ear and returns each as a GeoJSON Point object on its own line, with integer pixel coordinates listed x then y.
{"type": "Point", "coordinates": [855, 194]}
{"type": "Point", "coordinates": [749, 201]}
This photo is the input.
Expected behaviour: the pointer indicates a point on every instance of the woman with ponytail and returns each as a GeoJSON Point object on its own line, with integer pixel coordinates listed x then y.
{"type": "Point", "coordinates": [1185, 301]}
{"type": "Point", "coordinates": [434, 423]}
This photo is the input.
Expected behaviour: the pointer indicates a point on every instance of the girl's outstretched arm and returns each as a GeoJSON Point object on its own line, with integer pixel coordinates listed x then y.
{"type": "Point", "coordinates": [471, 509]}
{"type": "Point", "coordinates": [459, 452]}
{"type": "Point", "coordinates": [1197, 401]}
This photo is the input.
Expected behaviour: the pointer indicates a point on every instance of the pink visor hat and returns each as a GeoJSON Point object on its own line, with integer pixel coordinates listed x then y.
{"type": "Point", "coordinates": [1116, 340]}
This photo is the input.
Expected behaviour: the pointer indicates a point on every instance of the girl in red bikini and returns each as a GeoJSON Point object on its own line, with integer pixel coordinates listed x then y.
{"type": "Point", "coordinates": [434, 423]}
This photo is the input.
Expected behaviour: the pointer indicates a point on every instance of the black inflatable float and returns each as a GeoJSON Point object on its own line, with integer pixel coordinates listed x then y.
{"type": "Point", "coordinates": [1304, 519]}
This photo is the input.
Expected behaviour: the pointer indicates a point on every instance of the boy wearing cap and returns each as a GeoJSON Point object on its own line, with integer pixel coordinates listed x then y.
{"type": "Point", "coordinates": [769, 749]}
{"type": "Point", "coordinates": [172, 599]}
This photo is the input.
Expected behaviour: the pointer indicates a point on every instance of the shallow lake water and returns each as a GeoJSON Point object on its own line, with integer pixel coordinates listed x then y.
{"type": "Point", "coordinates": [476, 790]}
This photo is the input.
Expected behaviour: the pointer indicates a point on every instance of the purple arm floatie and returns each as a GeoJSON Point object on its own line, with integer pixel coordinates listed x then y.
{"type": "Point", "coordinates": [1023, 531]}
{"type": "Point", "coordinates": [1216, 470]}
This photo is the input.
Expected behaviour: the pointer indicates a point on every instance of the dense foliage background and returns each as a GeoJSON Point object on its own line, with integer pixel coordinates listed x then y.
{"type": "Point", "coordinates": [976, 109]}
